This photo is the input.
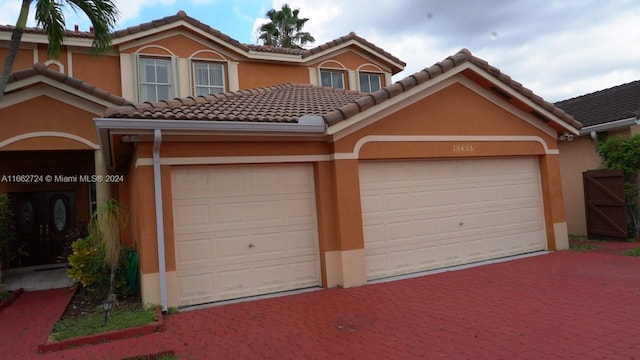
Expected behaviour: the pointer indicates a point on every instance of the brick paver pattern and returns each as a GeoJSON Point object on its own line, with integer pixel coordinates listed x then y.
{"type": "Point", "coordinates": [565, 305]}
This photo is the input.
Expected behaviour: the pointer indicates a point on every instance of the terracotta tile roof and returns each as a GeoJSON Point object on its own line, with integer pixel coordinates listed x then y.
{"type": "Point", "coordinates": [615, 103]}
{"type": "Point", "coordinates": [181, 15]}
{"type": "Point", "coordinates": [281, 103]}
{"type": "Point", "coordinates": [326, 46]}
{"type": "Point", "coordinates": [465, 55]}
{"type": "Point", "coordinates": [285, 103]}
{"type": "Point", "coordinates": [35, 30]}
{"type": "Point", "coordinates": [41, 69]}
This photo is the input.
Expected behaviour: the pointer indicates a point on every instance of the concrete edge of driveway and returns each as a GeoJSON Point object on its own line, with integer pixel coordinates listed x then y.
{"type": "Point", "coordinates": [14, 295]}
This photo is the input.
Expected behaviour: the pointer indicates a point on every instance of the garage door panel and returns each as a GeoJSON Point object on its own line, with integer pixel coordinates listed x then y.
{"type": "Point", "coordinates": [188, 215]}
{"type": "Point", "coordinates": [190, 185]}
{"type": "Point", "coordinates": [195, 249]}
{"type": "Point", "coordinates": [268, 277]}
{"type": "Point", "coordinates": [301, 241]}
{"type": "Point", "coordinates": [234, 282]}
{"type": "Point", "coordinates": [257, 224]}
{"type": "Point", "coordinates": [456, 211]}
{"type": "Point", "coordinates": [195, 289]}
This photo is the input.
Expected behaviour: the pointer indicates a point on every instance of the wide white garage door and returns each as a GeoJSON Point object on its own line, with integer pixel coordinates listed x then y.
{"type": "Point", "coordinates": [244, 230]}
{"type": "Point", "coordinates": [421, 215]}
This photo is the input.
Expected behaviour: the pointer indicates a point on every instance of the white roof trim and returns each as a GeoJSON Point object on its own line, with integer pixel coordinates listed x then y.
{"type": "Point", "coordinates": [57, 134]}
{"type": "Point", "coordinates": [50, 88]}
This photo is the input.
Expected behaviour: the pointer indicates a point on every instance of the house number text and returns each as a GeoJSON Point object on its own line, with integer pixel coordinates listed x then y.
{"type": "Point", "coordinates": [462, 148]}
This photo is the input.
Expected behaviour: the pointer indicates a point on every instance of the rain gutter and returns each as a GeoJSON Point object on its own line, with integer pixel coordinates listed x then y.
{"type": "Point", "coordinates": [610, 125]}
{"type": "Point", "coordinates": [157, 183]}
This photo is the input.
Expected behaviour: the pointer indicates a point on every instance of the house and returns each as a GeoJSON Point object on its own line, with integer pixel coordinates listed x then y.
{"type": "Point", "coordinates": [49, 105]}
{"type": "Point", "coordinates": [280, 186]}
{"type": "Point", "coordinates": [613, 111]}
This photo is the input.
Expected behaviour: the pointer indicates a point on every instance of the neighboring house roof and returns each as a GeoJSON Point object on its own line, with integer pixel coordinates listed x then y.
{"type": "Point", "coordinates": [286, 103]}
{"type": "Point", "coordinates": [604, 106]}
{"type": "Point", "coordinates": [41, 69]}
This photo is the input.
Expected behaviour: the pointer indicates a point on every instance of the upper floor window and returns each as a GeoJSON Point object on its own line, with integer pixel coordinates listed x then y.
{"type": "Point", "coordinates": [369, 82]}
{"type": "Point", "coordinates": [332, 79]}
{"type": "Point", "coordinates": [208, 78]}
{"type": "Point", "coordinates": [156, 79]}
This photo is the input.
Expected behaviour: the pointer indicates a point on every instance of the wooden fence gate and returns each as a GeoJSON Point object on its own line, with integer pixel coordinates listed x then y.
{"type": "Point", "coordinates": [605, 203]}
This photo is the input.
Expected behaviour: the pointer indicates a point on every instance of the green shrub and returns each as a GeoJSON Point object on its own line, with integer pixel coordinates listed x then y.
{"type": "Point", "coordinates": [633, 252]}
{"type": "Point", "coordinates": [88, 268]}
{"type": "Point", "coordinates": [7, 233]}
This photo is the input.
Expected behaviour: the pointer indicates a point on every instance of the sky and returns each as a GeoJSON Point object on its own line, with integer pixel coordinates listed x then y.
{"type": "Point", "coordinates": [557, 48]}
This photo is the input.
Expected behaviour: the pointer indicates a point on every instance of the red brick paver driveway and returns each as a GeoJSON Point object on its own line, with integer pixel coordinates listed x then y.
{"type": "Point", "coordinates": [566, 305]}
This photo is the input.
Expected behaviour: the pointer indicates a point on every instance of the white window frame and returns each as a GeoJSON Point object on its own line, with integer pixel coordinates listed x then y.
{"type": "Point", "coordinates": [332, 71]}
{"type": "Point", "coordinates": [195, 86]}
{"type": "Point", "coordinates": [172, 76]}
{"type": "Point", "coordinates": [369, 75]}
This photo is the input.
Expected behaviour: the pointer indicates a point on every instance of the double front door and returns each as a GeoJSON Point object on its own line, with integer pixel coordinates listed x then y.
{"type": "Point", "coordinates": [42, 219]}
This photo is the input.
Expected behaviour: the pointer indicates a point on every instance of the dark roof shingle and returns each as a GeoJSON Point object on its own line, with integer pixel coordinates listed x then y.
{"type": "Point", "coordinates": [615, 103]}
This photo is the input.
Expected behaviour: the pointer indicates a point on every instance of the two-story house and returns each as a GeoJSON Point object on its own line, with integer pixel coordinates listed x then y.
{"type": "Point", "coordinates": [251, 170]}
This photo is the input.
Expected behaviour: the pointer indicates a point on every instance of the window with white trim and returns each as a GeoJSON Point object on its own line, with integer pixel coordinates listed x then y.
{"type": "Point", "coordinates": [208, 78]}
{"type": "Point", "coordinates": [370, 82]}
{"type": "Point", "coordinates": [332, 79]}
{"type": "Point", "coordinates": [155, 79]}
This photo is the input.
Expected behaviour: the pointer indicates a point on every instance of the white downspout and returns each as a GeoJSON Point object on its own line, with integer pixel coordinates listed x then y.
{"type": "Point", "coordinates": [157, 183]}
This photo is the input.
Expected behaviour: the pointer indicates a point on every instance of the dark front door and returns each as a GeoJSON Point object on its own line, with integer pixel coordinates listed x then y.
{"type": "Point", "coordinates": [41, 221]}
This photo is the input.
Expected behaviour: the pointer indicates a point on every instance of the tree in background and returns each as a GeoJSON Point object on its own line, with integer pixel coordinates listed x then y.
{"type": "Point", "coordinates": [624, 154]}
{"type": "Point", "coordinates": [285, 29]}
{"type": "Point", "coordinates": [103, 15]}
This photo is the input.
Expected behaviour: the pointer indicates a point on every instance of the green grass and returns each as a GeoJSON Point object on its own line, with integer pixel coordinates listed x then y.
{"type": "Point", "coordinates": [581, 247]}
{"type": "Point", "coordinates": [633, 252]}
{"type": "Point", "coordinates": [4, 294]}
{"type": "Point", "coordinates": [93, 323]}
{"type": "Point", "coordinates": [154, 357]}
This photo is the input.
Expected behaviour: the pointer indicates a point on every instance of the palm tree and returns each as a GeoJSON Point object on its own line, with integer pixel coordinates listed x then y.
{"type": "Point", "coordinates": [103, 15]}
{"type": "Point", "coordinates": [285, 29]}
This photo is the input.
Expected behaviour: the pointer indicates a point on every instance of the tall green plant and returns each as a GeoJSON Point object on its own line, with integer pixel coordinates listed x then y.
{"type": "Point", "coordinates": [624, 154]}
{"type": "Point", "coordinates": [105, 227]}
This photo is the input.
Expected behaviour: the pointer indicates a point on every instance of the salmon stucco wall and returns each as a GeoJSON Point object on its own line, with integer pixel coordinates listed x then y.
{"type": "Point", "coordinates": [46, 114]}
{"type": "Point", "coordinates": [576, 157]}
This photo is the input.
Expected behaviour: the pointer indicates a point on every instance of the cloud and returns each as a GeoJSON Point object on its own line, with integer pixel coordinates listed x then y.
{"type": "Point", "coordinates": [560, 49]}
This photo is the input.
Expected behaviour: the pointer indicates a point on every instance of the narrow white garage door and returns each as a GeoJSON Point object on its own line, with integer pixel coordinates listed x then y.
{"type": "Point", "coordinates": [421, 215]}
{"type": "Point", "coordinates": [244, 230]}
